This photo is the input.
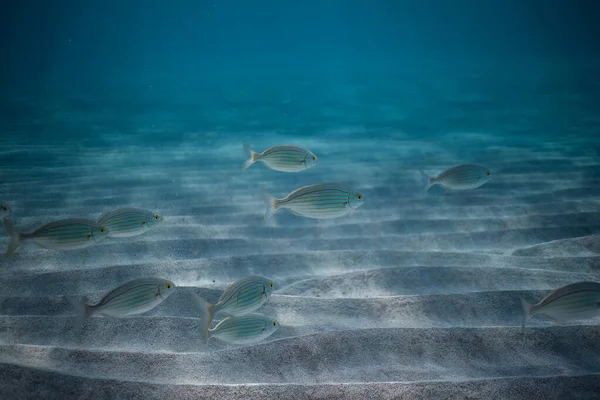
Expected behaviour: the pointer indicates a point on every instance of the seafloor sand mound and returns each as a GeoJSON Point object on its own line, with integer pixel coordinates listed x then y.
{"type": "Point", "coordinates": [576, 247]}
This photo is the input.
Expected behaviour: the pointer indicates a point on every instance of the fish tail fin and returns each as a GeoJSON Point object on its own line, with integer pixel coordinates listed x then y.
{"type": "Point", "coordinates": [207, 313]}
{"type": "Point", "coordinates": [253, 156]}
{"type": "Point", "coordinates": [15, 237]}
{"type": "Point", "coordinates": [271, 203]}
{"type": "Point", "coordinates": [429, 180]}
{"type": "Point", "coordinates": [83, 311]}
{"type": "Point", "coordinates": [526, 312]}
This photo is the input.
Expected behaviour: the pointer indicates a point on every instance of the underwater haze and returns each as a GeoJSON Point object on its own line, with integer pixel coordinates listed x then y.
{"type": "Point", "coordinates": [411, 294]}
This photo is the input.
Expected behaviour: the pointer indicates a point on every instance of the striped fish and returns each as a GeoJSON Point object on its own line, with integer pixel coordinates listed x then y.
{"type": "Point", "coordinates": [463, 177]}
{"type": "Point", "coordinates": [571, 302]}
{"type": "Point", "coordinates": [134, 297]}
{"type": "Point", "coordinates": [241, 297]}
{"type": "Point", "coordinates": [129, 221]}
{"type": "Point", "coordinates": [64, 234]}
{"type": "Point", "coordinates": [245, 329]}
{"type": "Point", "coordinates": [284, 158]}
{"type": "Point", "coordinates": [320, 201]}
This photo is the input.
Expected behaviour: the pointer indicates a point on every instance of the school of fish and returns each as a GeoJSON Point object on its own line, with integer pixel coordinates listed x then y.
{"type": "Point", "coordinates": [240, 323]}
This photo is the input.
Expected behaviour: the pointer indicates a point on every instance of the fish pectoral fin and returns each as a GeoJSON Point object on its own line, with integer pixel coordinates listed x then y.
{"type": "Point", "coordinates": [348, 207]}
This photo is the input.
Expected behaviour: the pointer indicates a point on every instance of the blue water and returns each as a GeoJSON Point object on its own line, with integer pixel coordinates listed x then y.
{"type": "Point", "coordinates": [414, 294]}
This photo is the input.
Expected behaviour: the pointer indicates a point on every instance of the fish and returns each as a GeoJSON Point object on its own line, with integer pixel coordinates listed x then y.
{"type": "Point", "coordinates": [244, 329]}
{"type": "Point", "coordinates": [241, 297]}
{"type": "Point", "coordinates": [128, 221]}
{"type": "Point", "coordinates": [319, 201]}
{"type": "Point", "coordinates": [462, 177]}
{"type": "Point", "coordinates": [284, 158]}
{"type": "Point", "coordinates": [5, 211]}
{"type": "Point", "coordinates": [575, 301]}
{"type": "Point", "coordinates": [64, 234]}
{"type": "Point", "coordinates": [134, 297]}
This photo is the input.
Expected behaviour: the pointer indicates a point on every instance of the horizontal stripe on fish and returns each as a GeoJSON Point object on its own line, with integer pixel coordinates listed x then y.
{"type": "Point", "coordinates": [462, 177]}
{"type": "Point", "coordinates": [134, 297]}
{"type": "Point", "coordinates": [241, 297]}
{"type": "Point", "coordinates": [65, 234]}
{"type": "Point", "coordinates": [245, 329]}
{"type": "Point", "coordinates": [129, 221]}
{"type": "Point", "coordinates": [284, 158]}
{"type": "Point", "coordinates": [571, 302]}
{"type": "Point", "coordinates": [319, 201]}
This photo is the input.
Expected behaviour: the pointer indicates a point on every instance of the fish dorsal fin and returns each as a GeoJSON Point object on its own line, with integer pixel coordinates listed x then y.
{"type": "Point", "coordinates": [284, 147]}
{"type": "Point", "coordinates": [227, 292]}
{"type": "Point", "coordinates": [318, 187]}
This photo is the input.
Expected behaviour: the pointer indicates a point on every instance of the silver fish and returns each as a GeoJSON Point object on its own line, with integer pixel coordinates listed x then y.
{"type": "Point", "coordinates": [241, 297]}
{"type": "Point", "coordinates": [244, 329]}
{"type": "Point", "coordinates": [571, 302]}
{"type": "Point", "coordinates": [134, 297]}
{"type": "Point", "coordinates": [129, 221]}
{"type": "Point", "coordinates": [64, 234]}
{"type": "Point", "coordinates": [320, 201]}
{"type": "Point", "coordinates": [462, 177]}
{"type": "Point", "coordinates": [284, 158]}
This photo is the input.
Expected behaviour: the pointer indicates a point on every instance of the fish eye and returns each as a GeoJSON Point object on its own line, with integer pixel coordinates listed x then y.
{"type": "Point", "coordinates": [102, 229]}
{"type": "Point", "coordinates": [156, 216]}
{"type": "Point", "coordinates": [274, 323]}
{"type": "Point", "coordinates": [314, 158]}
{"type": "Point", "coordinates": [488, 173]}
{"type": "Point", "coordinates": [5, 208]}
{"type": "Point", "coordinates": [271, 284]}
{"type": "Point", "coordinates": [359, 196]}
{"type": "Point", "coordinates": [169, 286]}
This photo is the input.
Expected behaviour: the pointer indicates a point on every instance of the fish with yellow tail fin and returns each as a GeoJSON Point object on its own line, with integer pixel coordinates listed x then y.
{"type": "Point", "coordinates": [134, 297]}
{"type": "Point", "coordinates": [319, 201]}
{"type": "Point", "coordinates": [569, 303]}
{"type": "Point", "coordinates": [462, 177]}
{"type": "Point", "coordinates": [245, 329]}
{"type": "Point", "coordinates": [64, 234]}
{"type": "Point", "coordinates": [284, 158]}
{"type": "Point", "coordinates": [129, 221]}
